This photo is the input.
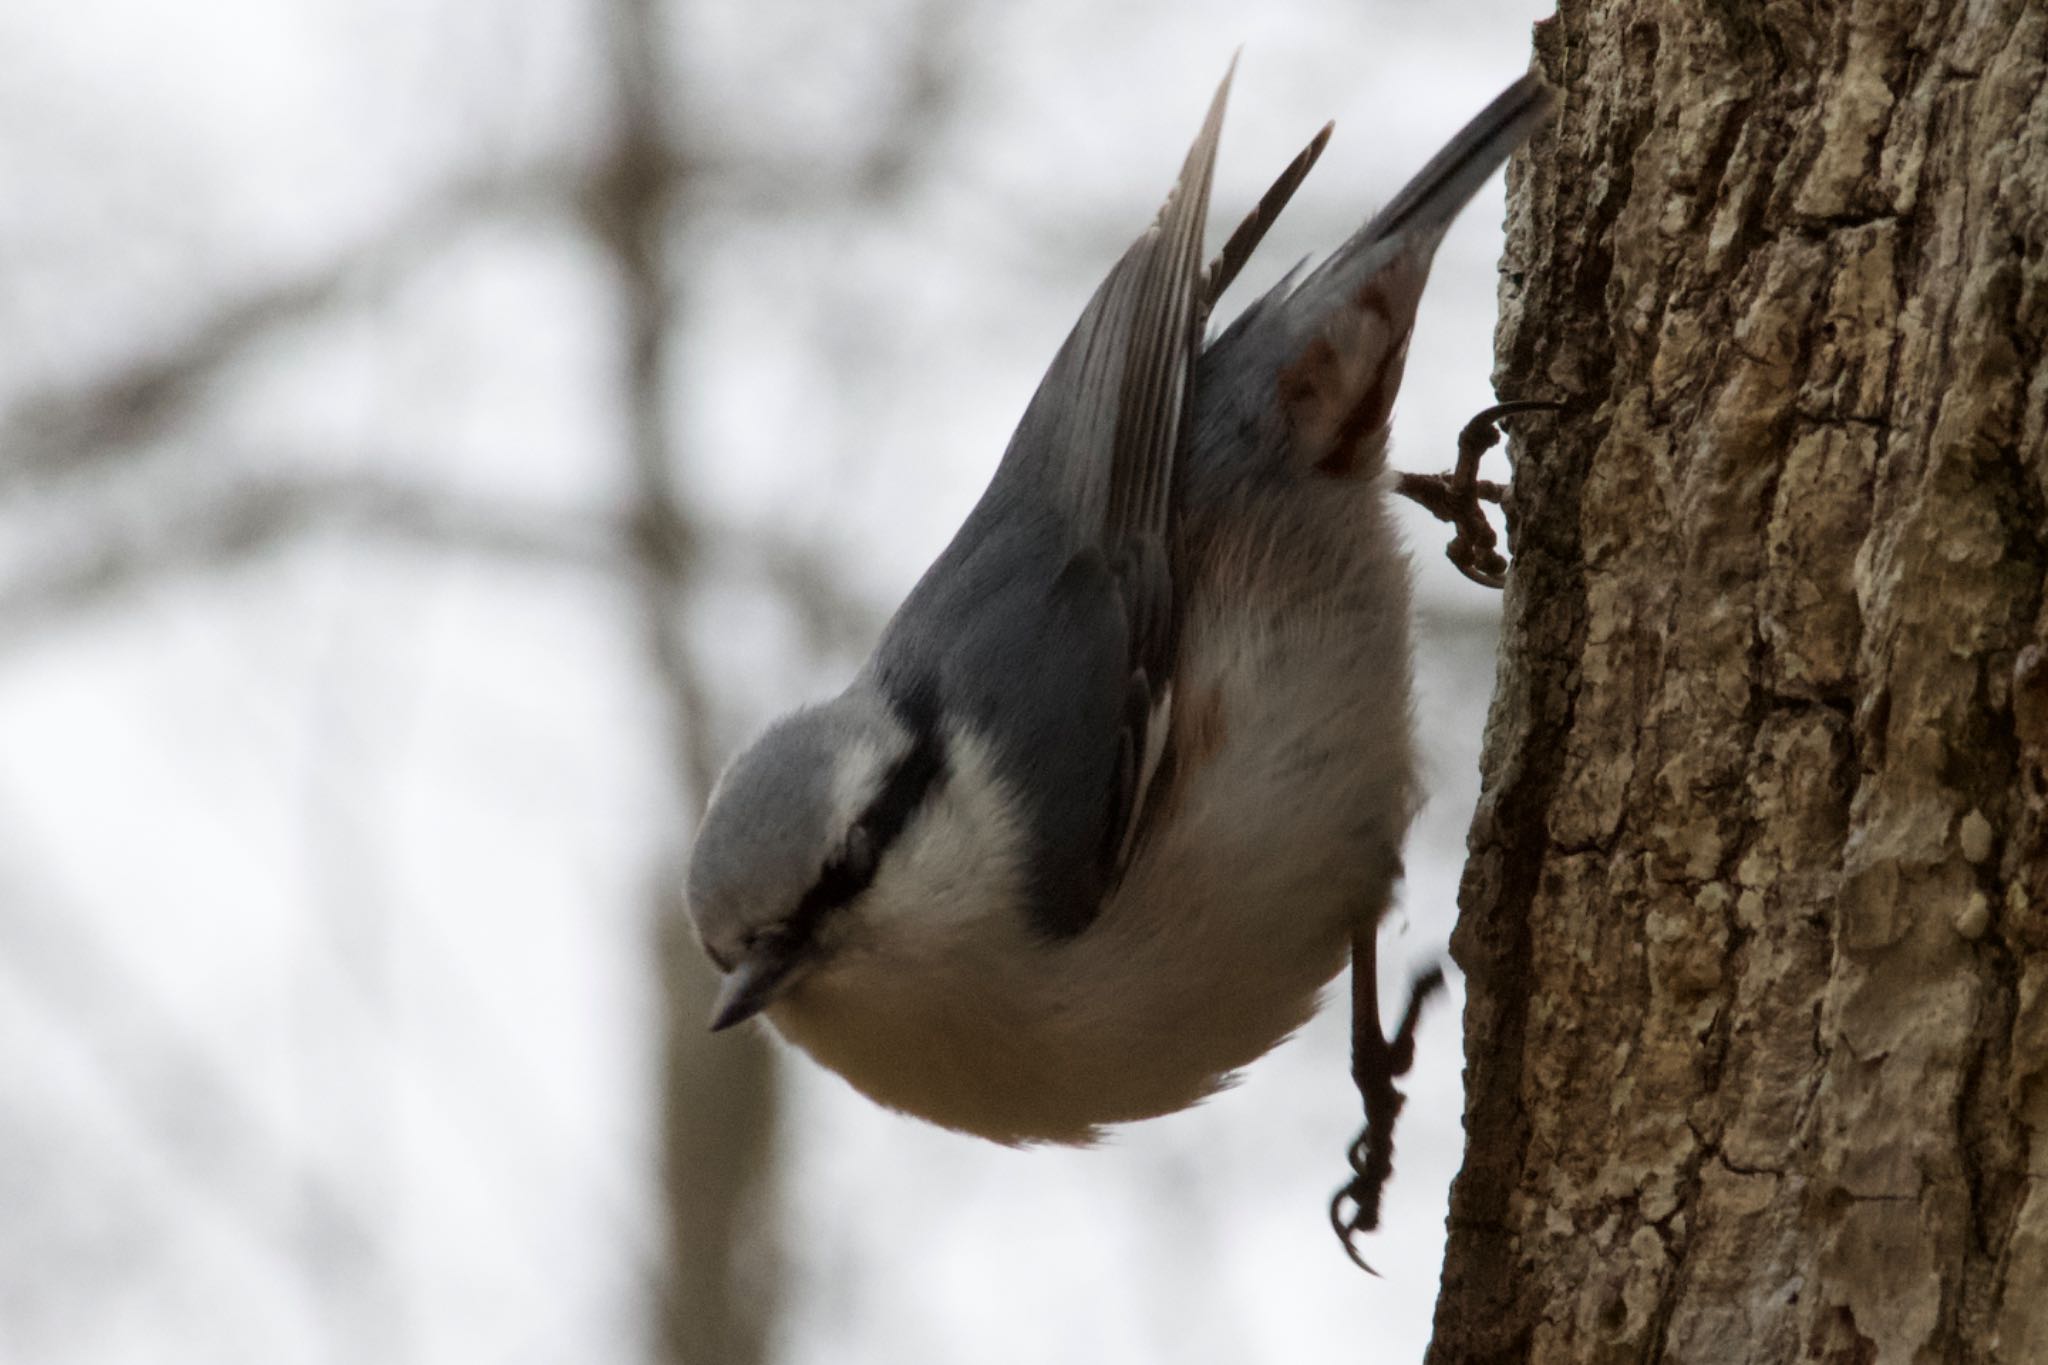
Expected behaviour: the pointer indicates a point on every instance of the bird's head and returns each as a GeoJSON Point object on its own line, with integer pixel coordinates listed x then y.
{"type": "Point", "coordinates": [807, 827]}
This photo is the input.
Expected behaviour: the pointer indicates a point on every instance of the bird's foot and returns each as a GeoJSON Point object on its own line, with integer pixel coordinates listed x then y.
{"type": "Point", "coordinates": [1456, 497]}
{"type": "Point", "coordinates": [1375, 1063]}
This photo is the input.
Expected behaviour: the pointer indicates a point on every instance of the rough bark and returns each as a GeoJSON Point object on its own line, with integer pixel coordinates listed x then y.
{"type": "Point", "coordinates": [1758, 893]}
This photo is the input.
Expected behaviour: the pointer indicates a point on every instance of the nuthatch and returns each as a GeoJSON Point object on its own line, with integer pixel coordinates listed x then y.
{"type": "Point", "coordinates": [1129, 772]}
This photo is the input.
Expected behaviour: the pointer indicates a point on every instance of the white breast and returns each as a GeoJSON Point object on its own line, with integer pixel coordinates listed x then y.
{"type": "Point", "coordinates": [1279, 832]}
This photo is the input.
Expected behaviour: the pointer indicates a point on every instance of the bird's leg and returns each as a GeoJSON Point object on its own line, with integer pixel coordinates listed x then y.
{"type": "Point", "coordinates": [1375, 1063]}
{"type": "Point", "coordinates": [1456, 497]}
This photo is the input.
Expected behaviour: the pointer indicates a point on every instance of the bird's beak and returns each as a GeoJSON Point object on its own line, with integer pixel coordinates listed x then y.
{"type": "Point", "coordinates": [751, 987]}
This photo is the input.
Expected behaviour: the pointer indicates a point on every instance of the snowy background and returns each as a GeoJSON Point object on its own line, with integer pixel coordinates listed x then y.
{"type": "Point", "coordinates": [432, 436]}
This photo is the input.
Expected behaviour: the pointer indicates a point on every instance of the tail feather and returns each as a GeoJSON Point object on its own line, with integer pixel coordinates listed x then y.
{"type": "Point", "coordinates": [1344, 330]}
{"type": "Point", "coordinates": [1415, 219]}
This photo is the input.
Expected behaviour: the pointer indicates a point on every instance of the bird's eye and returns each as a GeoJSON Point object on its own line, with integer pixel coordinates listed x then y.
{"type": "Point", "coordinates": [766, 942]}
{"type": "Point", "coordinates": [857, 858]}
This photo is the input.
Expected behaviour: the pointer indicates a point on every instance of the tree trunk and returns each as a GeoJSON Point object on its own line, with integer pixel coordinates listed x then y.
{"type": "Point", "coordinates": [1758, 894]}
{"type": "Point", "coordinates": [719, 1291]}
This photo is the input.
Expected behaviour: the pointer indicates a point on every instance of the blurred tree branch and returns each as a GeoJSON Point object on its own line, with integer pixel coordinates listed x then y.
{"type": "Point", "coordinates": [719, 1109]}
{"type": "Point", "coordinates": [248, 518]}
{"type": "Point", "coordinates": [99, 420]}
{"type": "Point", "coordinates": [86, 451]}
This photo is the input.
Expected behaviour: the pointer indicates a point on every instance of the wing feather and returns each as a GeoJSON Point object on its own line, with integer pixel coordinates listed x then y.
{"type": "Point", "coordinates": [1100, 438]}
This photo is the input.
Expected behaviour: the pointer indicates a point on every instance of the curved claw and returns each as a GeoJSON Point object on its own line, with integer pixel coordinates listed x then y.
{"type": "Point", "coordinates": [1456, 497]}
{"type": "Point", "coordinates": [1371, 1157]}
{"type": "Point", "coordinates": [1371, 1163]}
{"type": "Point", "coordinates": [1355, 1209]}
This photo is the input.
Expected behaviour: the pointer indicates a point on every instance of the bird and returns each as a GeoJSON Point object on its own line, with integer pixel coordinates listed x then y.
{"type": "Point", "coordinates": [1125, 781]}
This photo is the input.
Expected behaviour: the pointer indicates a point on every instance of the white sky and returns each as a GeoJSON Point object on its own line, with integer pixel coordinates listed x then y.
{"type": "Point", "coordinates": [326, 1012]}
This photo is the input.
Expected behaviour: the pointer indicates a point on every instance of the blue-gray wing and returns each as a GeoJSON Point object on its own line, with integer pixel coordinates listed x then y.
{"type": "Point", "coordinates": [1098, 442]}
{"type": "Point", "coordinates": [1050, 622]}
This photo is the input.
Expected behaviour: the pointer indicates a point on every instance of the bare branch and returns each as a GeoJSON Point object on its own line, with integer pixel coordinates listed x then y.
{"type": "Point", "coordinates": [254, 517]}
{"type": "Point", "coordinates": [83, 426]}
{"type": "Point", "coordinates": [719, 1111]}
{"type": "Point", "coordinates": [77, 429]}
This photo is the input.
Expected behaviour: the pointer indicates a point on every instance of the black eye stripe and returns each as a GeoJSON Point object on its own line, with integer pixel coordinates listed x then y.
{"type": "Point", "coordinates": [903, 791]}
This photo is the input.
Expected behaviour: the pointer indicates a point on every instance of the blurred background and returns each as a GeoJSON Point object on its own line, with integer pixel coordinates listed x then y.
{"type": "Point", "coordinates": [432, 436]}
